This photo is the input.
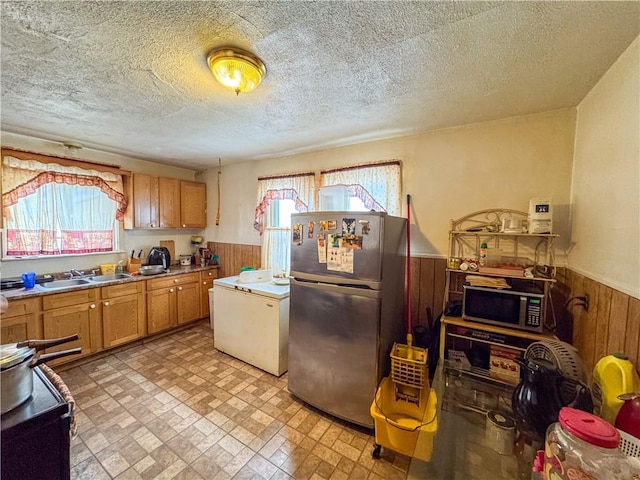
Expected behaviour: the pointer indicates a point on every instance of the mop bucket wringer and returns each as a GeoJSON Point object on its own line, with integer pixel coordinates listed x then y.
{"type": "Point", "coordinates": [404, 407]}
{"type": "Point", "coordinates": [408, 372]}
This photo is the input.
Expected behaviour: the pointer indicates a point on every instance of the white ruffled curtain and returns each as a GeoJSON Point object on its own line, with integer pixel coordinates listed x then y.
{"type": "Point", "coordinates": [376, 184]}
{"type": "Point", "coordinates": [51, 209]}
{"type": "Point", "coordinates": [276, 243]}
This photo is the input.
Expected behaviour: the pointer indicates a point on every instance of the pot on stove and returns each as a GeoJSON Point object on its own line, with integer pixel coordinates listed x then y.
{"type": "Point", "coordinates": [16, 362]}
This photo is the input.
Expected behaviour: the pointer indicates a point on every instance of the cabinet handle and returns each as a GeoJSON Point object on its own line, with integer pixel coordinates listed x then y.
{"type": "Point", "coordinates": [152, 225]}
{"type": "Point", "coordinates": [204, 283]}
{"type": "Point", "coordinates": [210, 274]}
{"type": "Point", "coordinates": [171, 290]}
{"type": "Point", "coordinates": [175, 280]}
{"type": "Point", "coordinates": [93, 305]}
{"type": "Point", "coordinates": [106, 304]}
{"type": "Point", "coordinates": [180, 289]}
{"type": "Point", "coordinates": [184, 226]}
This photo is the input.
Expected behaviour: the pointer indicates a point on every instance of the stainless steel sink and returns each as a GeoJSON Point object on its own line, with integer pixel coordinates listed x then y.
{"type": "Point", "coordinates": [108, 278]}
{"type": "Point", "coordinates": [73, 282]}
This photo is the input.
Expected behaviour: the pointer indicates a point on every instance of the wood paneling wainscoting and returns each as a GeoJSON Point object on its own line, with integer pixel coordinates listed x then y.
{"type": "Point", "coordinates": [612, 323]}
{"type": "Point", "coordinates": [427, 289]}
{"type": "Point", "coordinates": [233, 256]}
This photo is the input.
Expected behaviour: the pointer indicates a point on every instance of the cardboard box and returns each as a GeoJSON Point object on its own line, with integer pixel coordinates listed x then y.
{"type": "Point", "coordinates": [502, 364]}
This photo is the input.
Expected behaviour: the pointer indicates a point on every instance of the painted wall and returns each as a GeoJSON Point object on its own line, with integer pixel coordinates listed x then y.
{"type": "Point", "coordinates": [130, 239]}
{"type": "Point", "coordinates": [606, 178]}
{"type": "Point", "coordinates": [449, 173]}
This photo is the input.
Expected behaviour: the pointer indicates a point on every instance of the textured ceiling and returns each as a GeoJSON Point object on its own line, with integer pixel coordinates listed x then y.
{"type": "Point", "coordinates": [132, 77]}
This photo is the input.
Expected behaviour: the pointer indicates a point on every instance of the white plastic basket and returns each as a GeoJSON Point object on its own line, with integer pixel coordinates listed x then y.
{"type": "Point", "coordinates": [629, 445]}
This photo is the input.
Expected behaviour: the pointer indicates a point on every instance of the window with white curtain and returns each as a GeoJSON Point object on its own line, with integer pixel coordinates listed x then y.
{"type": "Point", "coordinates": [278, 197]}
{"type": "Point", "coordinates": [52, 209]}
{"type": "Point", "coordinates": [376, 185]}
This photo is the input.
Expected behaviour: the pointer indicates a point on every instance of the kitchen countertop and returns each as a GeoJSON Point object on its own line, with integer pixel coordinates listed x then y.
{"type": "Point", "coordinates": [38, 291]}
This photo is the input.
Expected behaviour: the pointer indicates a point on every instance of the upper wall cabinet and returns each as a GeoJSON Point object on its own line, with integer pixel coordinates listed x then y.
{"type": "Point", "coordinates": [193, 204]}
{"type": "Point", "coordinates": [159, 202]}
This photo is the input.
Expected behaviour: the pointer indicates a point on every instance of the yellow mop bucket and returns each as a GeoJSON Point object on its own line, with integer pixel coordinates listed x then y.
{"type": "Point", "coordinates": [404, 427]}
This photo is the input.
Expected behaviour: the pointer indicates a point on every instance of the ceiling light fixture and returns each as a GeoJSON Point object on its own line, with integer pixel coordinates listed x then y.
{"type": "Point", "coordinates": [236, 69]}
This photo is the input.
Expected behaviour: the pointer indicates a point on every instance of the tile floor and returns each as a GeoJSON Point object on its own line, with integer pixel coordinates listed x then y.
{"type": "Point", "coordinates": [176, 408]}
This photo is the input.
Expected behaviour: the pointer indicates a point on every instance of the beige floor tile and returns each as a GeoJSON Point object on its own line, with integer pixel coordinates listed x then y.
{"type": "Point", "coordinates": [175, 408]}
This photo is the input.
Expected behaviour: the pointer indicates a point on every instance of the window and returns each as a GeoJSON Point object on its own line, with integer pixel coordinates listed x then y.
{"type": "Point", "coordinates": [50, 209]}
{"type": "Point", "coordinates": [278, 198]}
{"type": "Point", "coordinates": [376, 185]}
{"type": "Point", "coordinates": [360, 188]}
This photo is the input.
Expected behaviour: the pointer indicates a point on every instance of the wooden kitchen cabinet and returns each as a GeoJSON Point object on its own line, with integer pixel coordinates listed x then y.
{"type": "Point", "coordinates": [188, 302]}
{"type": "Point", "coordinates": [161, 309]}
{"type": "Point", "coordinates": [145, 201]}
{"type": "Point", "coordinates": [70, 313]}
{"type": "Point", "coordinates": [169, 202]}
{"type": "Point", "coordinates": [206, 282]}
{"type": "Point", "coordinates": [123, 313]}
{"type": "Point", "coordinates": [172, 300]}
{"type": "Point", "coordinates": [22, 321]}
{"type": "Point", "coordinates": [193, 204]}
{"type": "Point", "coordinates": [154, 202]}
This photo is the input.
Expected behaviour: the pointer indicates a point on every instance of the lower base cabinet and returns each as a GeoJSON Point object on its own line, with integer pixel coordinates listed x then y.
{"type": "Point", "coordinates": [206, 282]}
{"type": "Point", "coordinates": [162, 309]}
{"type": "Point", "coordinates": [109, 316]}
{"type": "Point", "coordinates": [123, 314]}
{"type": "Point", "coordinates": [172, 301]}
{"type": "Point", "coordinates": [83, 318]}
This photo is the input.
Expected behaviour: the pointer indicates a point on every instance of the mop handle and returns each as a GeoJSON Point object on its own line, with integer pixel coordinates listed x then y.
{"type": "Point", "coordinates": [409, 333]}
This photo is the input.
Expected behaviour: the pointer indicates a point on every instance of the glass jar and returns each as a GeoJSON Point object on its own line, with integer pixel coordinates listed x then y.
{"type": "Point", "coordinates": [582, 446]}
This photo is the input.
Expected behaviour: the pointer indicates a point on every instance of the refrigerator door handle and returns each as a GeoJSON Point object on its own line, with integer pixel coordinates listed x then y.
{"type": "Point", "coordinates": [337, 288]}
{"type": "Point", "coordinates": [312, 277]}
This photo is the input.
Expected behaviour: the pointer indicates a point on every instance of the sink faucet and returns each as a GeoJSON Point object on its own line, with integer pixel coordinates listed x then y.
{"type": "Point", "coordinates": [73, 272]}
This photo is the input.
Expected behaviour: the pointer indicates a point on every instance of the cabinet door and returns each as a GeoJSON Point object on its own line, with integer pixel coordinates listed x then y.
{"type": "Point", "coordinates": [123, 319]}
{"type": "Point", "coordinates": [205, 285]}
{"type": "Point", "coordinates": [193, 204]}
{"type": "Point", "coordinates": [169, 202]}
{"type": "Point", "coordinates": [81, 319]}
{"type": "Point", "coordinates": [161, 308]}
{"type": "Point", "coordinates": [24, 327]}
{"type": "Point", "coordinates": [188, 302]}
{"type": "Point", "coordinates": [145, 201]}
{"type": "Point", "coordinates": [21, 321]}
{"type": "Point", "coordinates": [206, 282]}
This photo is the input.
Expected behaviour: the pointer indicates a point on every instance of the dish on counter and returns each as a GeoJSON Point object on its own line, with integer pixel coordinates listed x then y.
{"type": "Point", "coordinates": [151, 270]}
{"type": "Point", "coordinates": [281, 280]}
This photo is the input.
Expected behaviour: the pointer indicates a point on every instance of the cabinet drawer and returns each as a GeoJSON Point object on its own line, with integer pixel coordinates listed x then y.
{"type": "Point", "coordinates": [22, 307]}
{"type": "Point", "coordinates": [76, 297]}
{"type": "Point", "coordinates": [171, 281]}
{"type": "Point", "coordinates": [122, 289]}
{"type": "Point", "coordinates": [209, 274]}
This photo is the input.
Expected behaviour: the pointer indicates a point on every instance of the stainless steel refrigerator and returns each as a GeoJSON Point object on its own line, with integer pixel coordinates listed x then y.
{"type": "Point", "coordinates": [347, 307]}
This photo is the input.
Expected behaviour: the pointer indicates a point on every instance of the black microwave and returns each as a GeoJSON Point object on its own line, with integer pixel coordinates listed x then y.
{"type": "Point", "coordinates": [524, 310]}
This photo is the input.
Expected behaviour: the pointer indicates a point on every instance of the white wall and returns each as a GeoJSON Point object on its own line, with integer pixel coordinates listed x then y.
{"type": "Point", "coordinates": [131, 239]}
{"type": "Point", "coordinates": [606, 178]}
{"type": "Point", "coordinates": [449, 173]}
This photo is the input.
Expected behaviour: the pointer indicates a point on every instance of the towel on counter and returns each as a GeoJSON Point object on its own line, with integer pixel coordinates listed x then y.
{"type": "Point", "coordinates": [62, 388]}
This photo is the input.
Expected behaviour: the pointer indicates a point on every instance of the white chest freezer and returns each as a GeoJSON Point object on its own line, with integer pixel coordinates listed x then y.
{"type": "Point", "coordinates": [251, 322]}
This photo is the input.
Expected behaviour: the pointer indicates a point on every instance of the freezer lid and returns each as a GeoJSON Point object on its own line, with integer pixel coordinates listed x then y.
{"type": "Point", "coordinates": [266, 289]}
